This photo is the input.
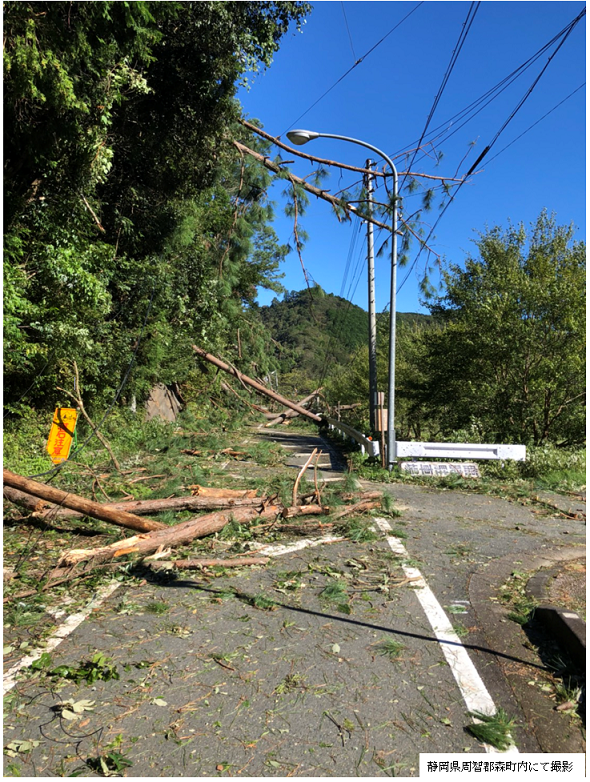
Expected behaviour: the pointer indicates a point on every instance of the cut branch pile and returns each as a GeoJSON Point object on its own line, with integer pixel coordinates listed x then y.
{"type": "Point", "coordinates": [153, 538]}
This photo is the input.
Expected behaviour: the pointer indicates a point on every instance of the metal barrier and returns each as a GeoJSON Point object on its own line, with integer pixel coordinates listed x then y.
{"type": "Point", "coordinates": [419, 450]}
{"type": "Point", "coordinates": [367, 445]}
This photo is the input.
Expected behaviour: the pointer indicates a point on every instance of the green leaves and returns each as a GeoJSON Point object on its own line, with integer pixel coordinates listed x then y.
{"type": "Point", "coordinates": [511, 354]}
{"type": "Point", "coordinates": [73, 710]}
{"type": "Point", "coordinates": [14, 748]}
{"type": "Point", "coordinates": [97, 668]}
{"type": "Point", "coordinates": [124, 196]}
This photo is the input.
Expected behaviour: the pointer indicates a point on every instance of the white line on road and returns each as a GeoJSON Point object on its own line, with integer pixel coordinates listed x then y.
{"type": "Point", "coordinates": [62, 632]}
{"type": "Point", "coordinates": [472, 688]}
{"type": "Point", "coordinates": [73, 621]}
{"type": "Point", "coordinates": [275, 551]}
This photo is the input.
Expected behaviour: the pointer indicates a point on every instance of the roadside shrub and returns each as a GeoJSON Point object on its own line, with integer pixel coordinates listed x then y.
{"type": "Point", "coordinates": [549, 466]}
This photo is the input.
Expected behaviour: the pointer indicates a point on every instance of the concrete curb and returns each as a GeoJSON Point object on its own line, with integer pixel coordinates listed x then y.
{"type": "Point", "coordinates": [567, 626]}
{"type": "Point", "coordinates": [550, 728]}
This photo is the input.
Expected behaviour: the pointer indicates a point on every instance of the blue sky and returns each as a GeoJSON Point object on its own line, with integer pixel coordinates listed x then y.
{"type": "Point", "coordinates": [386, 99]}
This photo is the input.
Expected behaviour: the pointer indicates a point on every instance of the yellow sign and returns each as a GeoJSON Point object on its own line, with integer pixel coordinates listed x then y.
{"type": "Point", "coordinates": [61, 434]}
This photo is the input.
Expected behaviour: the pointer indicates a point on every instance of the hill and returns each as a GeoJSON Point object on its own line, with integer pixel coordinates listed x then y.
{"type": "Point", "coordinates": [315, 331]}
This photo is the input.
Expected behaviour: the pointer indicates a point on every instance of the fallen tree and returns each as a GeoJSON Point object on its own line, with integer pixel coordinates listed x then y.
{"type": "Point", "coordinates": [137, 507]}
{"type": "Point", "coordinates": [284, 415]}
{"type": "Point", "coordinates": [256, 385]}
{"type": "Point", "coordinates": [86, 507]}
{"type": "Point", "coordinates": [182, 533]}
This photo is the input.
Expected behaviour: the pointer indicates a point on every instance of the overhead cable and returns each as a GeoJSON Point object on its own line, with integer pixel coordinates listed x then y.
{"type": "Point", "coordinates": [473, 8]}
{"type": "Point", "coordinates": [527, 94]}
{"type": "Point", "coordinates": [358, 62]}
{"type": "Point", "coordinates": [535, 123]}
{"type": "Point", "coordinates": [564, 35]}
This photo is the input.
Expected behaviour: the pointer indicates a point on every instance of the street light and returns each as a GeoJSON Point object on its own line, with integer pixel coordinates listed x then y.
{"type": "Point", "coordinates": [300, 137]}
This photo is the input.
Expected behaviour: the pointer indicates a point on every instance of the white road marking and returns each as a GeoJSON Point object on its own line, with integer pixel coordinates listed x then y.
{"type": "Point", "coordinates": [73, 621]}
{"type": "Point", "coordinates": [472, 688]}
{"type": "Point", "coordinates": [276, 550]}
{"type": "Point", "coordinates": [62, 632]}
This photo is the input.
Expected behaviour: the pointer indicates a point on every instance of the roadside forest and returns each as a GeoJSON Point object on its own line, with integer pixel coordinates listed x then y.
{"type": "Point", "coordinates": [137, 223]}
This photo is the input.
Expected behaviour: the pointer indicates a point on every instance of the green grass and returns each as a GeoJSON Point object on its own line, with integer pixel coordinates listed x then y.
{"type": "Point", "coordinates": [335, 592]}
{"type": "Point", "coordinates": [292, 681]}
{"type": "Point", "coordinates": [389, 648]}
{"type": "Point", "coordinates": [358, 530]}
{"type": "Point", "coordinates": [494, 729]}
{"type": "Point", "coordinates": [513, 596]}
{"type": "Point", "coordinates": [157, 607]}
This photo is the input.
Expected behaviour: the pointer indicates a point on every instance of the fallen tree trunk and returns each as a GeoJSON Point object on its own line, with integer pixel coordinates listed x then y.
{"type": "Point", "coordinates": [81, 504]}
{"type": "Point", "coordinates": [286, 414]}
{"type": "Point", "coordinates": [180, 533]}
{"type": "Point", "coordinates": [24, 500]}
{"type": "Point", "coordinates": [254, 384]}
{"type": "Point", "coordinates": [359, 507]}
{"type": "Point", "coordinates": [139, 507]}
{"type": "Point", "coordinates": [212, 491]}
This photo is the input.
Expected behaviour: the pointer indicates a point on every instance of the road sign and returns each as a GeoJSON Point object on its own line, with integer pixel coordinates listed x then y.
{"type": "Point", "coordinates": [61, 434]}
{"type": "Point", "coordinates": [381, 415]}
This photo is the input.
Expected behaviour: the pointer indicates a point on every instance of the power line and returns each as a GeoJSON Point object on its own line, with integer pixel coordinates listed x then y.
{"type": "Point", "coordinates": [348, 30]}
{"type": "Point", "coordinates": [564, 34]}
{"type": "Point", "coordinates": [492, 94]}
{"type": "Point", "coordinates": [473, 8]}
{"type": "Point", "coordinates": [451, 199]}
{"type": "Point", "coordinates": [528, 93]}
{"type": "Point", "coordinates": [329, 355]}
{"type": "Point", "coordinates": [358, 62]}
{"type": "Point", "coordinates": [536, 123]}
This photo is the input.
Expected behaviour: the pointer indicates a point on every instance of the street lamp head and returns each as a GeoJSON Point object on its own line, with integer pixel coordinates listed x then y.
{"type": "Point", "coordinates": [301, 137]}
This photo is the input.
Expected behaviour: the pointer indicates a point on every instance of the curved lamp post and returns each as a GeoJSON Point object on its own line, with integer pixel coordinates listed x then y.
{"type": "Point", "coordinates": [300, 137]}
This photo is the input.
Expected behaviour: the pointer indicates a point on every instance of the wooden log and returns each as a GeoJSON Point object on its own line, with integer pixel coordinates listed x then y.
{"type": "Point", "coordinates": [359, 507]}
{"type": "Point", "coordinates": [212, 491]}
{"type": "Point", "coordinates": [301, 472]}
{"type": "Point", "coordinates": [254, 384]}
{"type": "Point", "coordinates": [287, 414]}
{"type": "Point", "coordinates": [141, 507]}
{"type": "Point", "coordinates": [24, 500]}
{"type": "Point", "coordinates": [179, 534]}
{"type": "Point", "coordinates": [81, 504]}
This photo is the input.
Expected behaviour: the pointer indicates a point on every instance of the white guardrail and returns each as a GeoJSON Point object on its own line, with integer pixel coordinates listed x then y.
{"type": "Point", "coordinates": [432, 450]}
{"type": "Point", "coordinates": [367, 446]}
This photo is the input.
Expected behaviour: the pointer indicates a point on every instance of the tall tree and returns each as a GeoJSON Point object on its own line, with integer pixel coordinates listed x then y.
{"type": "Point", "coordinates": [123, 194]}
{"type": "Point", "coordinates": [510, 360]}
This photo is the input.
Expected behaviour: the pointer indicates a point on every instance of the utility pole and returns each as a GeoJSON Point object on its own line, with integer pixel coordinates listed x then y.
{"type": "Point", "coordinates": [368, 182]}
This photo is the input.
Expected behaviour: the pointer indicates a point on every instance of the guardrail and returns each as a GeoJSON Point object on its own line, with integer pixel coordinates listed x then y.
{"type": "Point", "coordinates": [367, 445]}
{"type": "Point", "coordinates": [461, 451]}
{"type": "Point", "coordinates": [419, 450]}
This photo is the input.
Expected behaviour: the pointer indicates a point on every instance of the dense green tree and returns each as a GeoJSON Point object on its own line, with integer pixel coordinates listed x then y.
{"type": "Point", "coordinates": [127, 209]}
{"type": "Point", "coordinates": [349, 383]}
{"type": "Point", "coordinates": [314, 331]}
{"type": "Point", "coordinates": [510, 360]}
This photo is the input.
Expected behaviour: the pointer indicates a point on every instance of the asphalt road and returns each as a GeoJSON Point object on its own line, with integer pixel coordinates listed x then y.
{"type": "Point", "coordinates": [328, 661]}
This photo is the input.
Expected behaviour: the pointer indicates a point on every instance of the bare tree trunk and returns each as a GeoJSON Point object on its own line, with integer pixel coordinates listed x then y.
{"type": "Point", "coordinates": [285, 414]}
{"type": "Point", "coordinates": [180, 533]}
{"type": "Point", "coordinates": [84, 506]}
{"type": "Point", "coordinates": [138, 507]}
{"type": "Point", "coordinates": [254, 384]}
